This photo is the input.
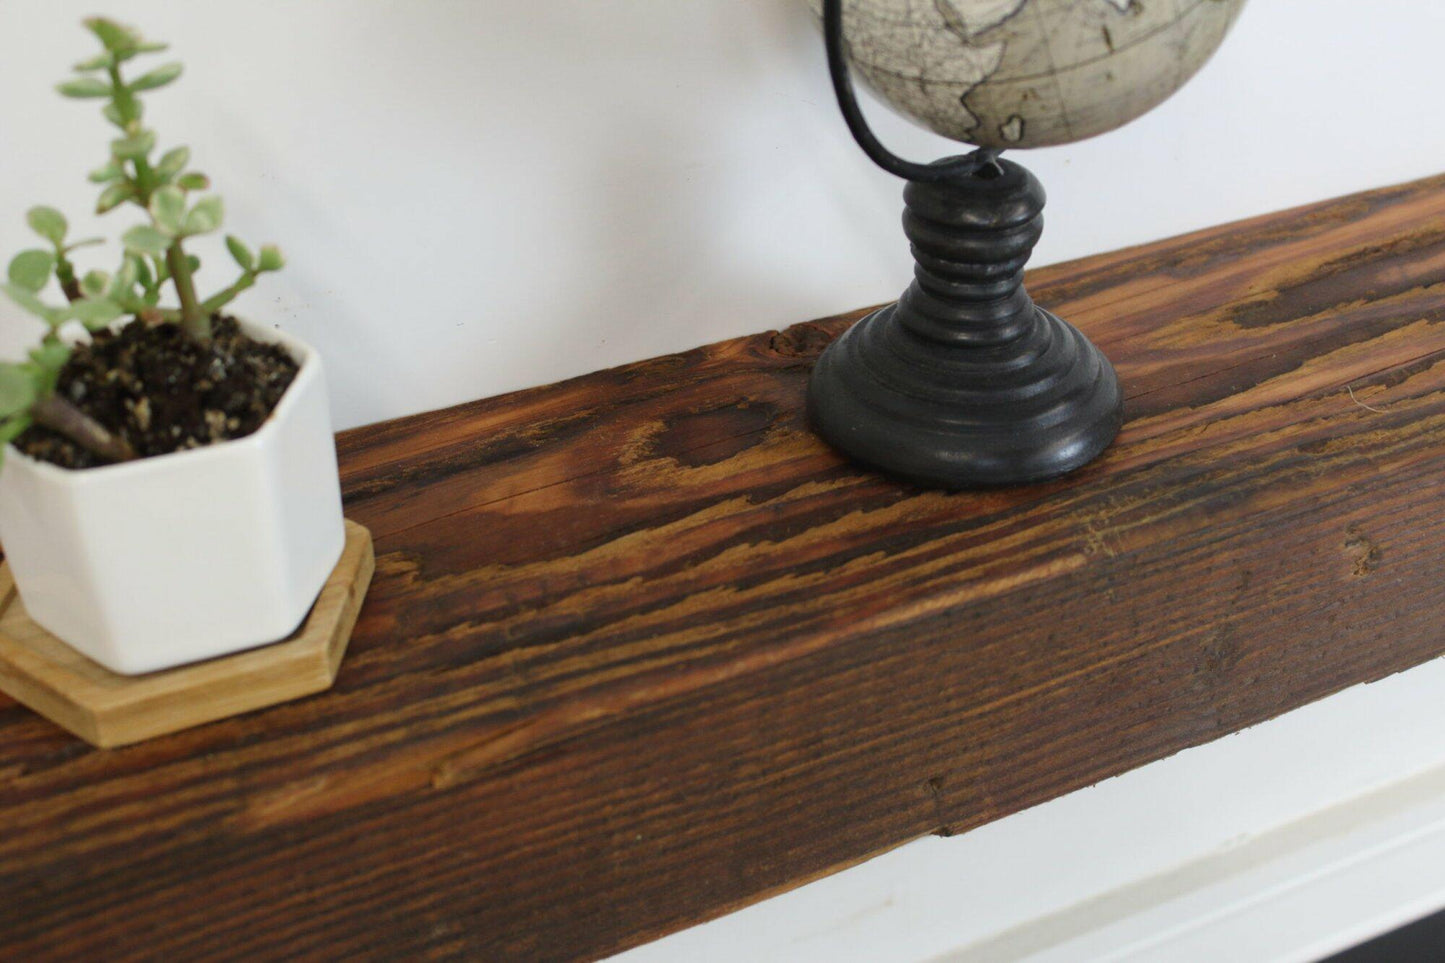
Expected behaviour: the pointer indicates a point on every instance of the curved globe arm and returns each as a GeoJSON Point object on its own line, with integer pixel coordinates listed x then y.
{"type": "Point", "coordinates": [853, 114]}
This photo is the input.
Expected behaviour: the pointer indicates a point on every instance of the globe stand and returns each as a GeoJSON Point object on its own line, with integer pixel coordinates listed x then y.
{"type": "Point", "coordinates": [965, 382]}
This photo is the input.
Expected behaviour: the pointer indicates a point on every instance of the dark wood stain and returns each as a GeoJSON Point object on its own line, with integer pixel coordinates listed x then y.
{"type": "Point", "coordinates": [640, 650]}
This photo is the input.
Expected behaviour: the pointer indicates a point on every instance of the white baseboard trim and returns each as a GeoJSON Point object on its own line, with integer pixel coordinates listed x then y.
{"type": "Point", "coordinates": [1297, 893]}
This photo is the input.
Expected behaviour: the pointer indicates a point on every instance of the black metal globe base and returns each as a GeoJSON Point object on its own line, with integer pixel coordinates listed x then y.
{"type": "Point", "coordinates": [965, 382]}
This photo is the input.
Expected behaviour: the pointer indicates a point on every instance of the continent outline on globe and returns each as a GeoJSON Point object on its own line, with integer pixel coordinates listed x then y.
{"type": "Point", "coordinates": [1030, 73]}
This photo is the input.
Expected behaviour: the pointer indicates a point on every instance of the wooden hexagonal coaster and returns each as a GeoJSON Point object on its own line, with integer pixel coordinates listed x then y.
{"type": "Point", "coordinates": [108, 710]}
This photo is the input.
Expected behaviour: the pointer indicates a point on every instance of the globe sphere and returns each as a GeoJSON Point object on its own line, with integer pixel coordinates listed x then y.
{"type": "Point", "coordinates": [1030, 73]}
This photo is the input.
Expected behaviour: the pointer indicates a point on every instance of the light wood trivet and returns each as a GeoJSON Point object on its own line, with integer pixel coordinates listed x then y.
{"type": "Point", "coordinates": [107, 709]}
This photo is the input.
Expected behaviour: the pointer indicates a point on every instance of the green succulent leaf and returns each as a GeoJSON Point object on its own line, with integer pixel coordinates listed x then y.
{"type": "Point", "coordinates": [95, 312]}
{"type": "Point", "coordinates": [101, 61]}
{"type": "Point", "coordinates": [26, 299]}
{"type": "Point", "coordinates": [31, 269]}
{"type": "Point", "coordinates": [94, 284]}
{"type": "Point", "coordinates": [11, 429]}
{"type": "Point", "coordinates": [240, 252]}
{"type": "Point", "coordinates": [193, 263]}
{"type": "Point", "coordinates": [47, 361]}
{"type": "Point", "coordinates": [117, 37]}
{"type": "Point", "coordinates": [119, 118]}
{"type": "Point", "coordinates": [143, 273]}
{"type": "Point", "coordinates": [168, 207]}
{"type": "Point", "coordinates": [114, 196]}
{"type": "Point", "coordinates": [109, 172]}
{"type": "Point", "coordinates": [82, 87]}
{"type": "Point", "coordinates": [134, 145]}
{"type": "Point", "coordinates": [172, 161]}
{"type": "Point", "coordinates": [270, 258]}
{"type": "Point", "coordinates": [144, 239]}
{"type": "Point", "coordinates": [155, 78]}
{"type": "Point", "coordinates": [48, 223]}
{"type": "Point", "coordinates": [126, 277]}
{"type": "Point", "coordinates": [193, 181]}
{"type": "Point", "coordinates": [17, 389]}
{"type": "Point", "coordinates": [50, 356]}
{"type": "Point", "coordinates": [205, 216]}
{"type": "Point", "coordinates": [84, 242]}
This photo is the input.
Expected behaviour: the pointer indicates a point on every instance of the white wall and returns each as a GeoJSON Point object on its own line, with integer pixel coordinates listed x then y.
{"type": "Point", "coordinates": [480, 196]}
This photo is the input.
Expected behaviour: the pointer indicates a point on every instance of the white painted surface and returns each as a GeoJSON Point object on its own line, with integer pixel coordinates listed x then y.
{"type": "Point", "coordinates": [1284, 842]}
{"type": "Point", "coordinates": [479, 196]}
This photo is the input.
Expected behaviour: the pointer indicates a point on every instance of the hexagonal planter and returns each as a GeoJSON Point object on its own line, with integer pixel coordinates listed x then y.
{"type": "Point", "coordinates": [172, 559]}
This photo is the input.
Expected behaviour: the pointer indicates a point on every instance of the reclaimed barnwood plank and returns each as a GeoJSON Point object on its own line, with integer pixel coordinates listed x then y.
{"type": "Point", "coordinates": [640, 649]}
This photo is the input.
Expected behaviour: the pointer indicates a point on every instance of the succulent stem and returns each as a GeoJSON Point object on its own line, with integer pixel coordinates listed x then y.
{"type": "Point", "coordinates": [59, 415]}
{"type": "Point", "coordinates": [194, 321]}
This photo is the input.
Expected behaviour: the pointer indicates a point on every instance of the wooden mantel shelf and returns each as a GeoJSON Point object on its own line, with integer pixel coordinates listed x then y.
{"type": "Point", "coordinates": [640, 650]}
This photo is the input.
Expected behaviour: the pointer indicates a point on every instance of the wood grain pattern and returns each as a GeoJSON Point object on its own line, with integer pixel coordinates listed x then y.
{"type": "Point", "coordinates": [641, 650]}
{"type": "Point", "coordinates": [109, 710]}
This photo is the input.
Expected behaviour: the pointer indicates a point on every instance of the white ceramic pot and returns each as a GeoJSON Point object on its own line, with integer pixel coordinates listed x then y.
{"type": "Point", "coordinates": [162, 561]}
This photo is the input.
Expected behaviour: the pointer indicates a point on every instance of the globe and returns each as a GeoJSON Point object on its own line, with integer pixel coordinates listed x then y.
{"type": "Point", "coordinates": [1030, 73]}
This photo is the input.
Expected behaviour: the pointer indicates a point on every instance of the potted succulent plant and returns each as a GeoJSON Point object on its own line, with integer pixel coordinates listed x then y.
{"type": "Point", "coordinates": [169, 489]}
